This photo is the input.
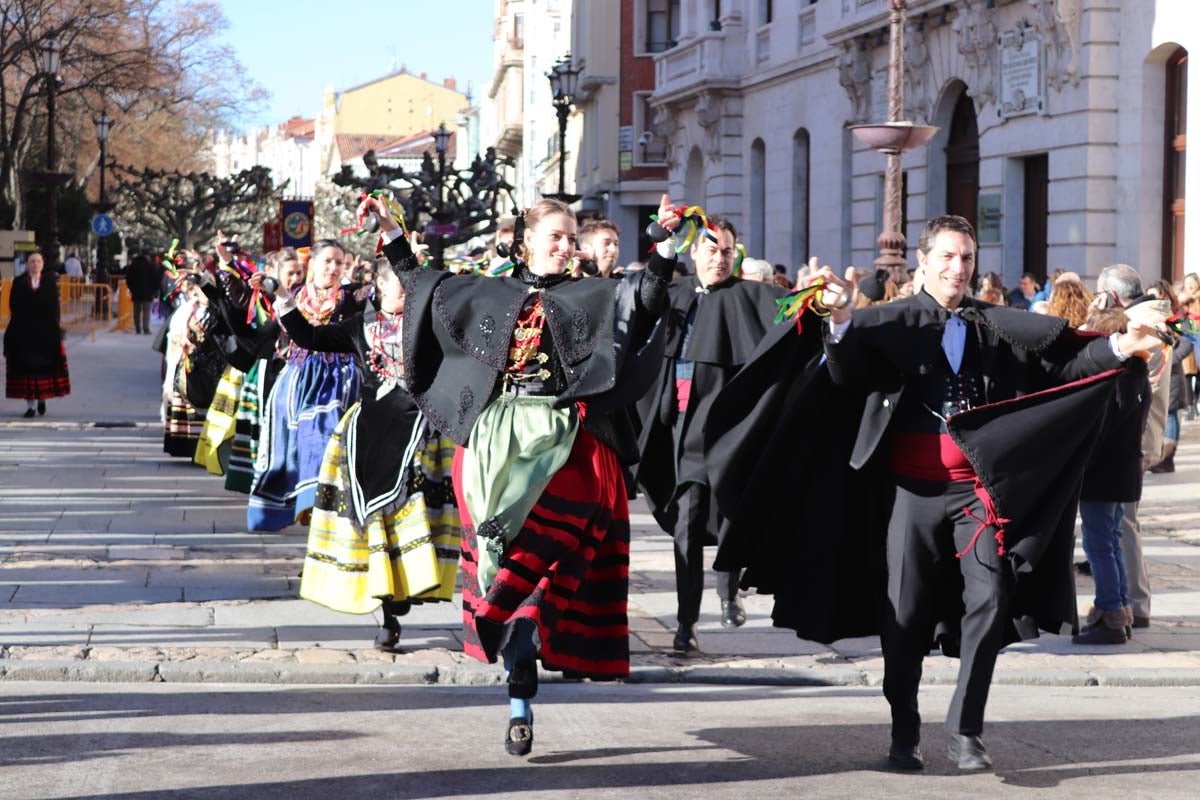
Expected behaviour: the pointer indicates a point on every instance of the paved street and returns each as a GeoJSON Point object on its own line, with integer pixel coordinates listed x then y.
{"type": "Point", "coordinates": [144, 634]}
{"type": "Point", "coordinates": [195, 742]}
{"type": "Point", "coordinates": [120, 563]}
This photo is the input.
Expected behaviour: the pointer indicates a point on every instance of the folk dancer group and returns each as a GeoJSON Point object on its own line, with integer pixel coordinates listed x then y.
{"type": "Point", "coordinates": [492, 418]}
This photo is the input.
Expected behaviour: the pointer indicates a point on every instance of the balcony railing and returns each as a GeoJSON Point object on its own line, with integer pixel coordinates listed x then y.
{"type": "Point", "coordinates": [708, 57]}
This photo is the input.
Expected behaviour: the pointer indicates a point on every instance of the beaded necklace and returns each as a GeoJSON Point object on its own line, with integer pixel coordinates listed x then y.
{"type": "Point", "coordinates": [384, 335]}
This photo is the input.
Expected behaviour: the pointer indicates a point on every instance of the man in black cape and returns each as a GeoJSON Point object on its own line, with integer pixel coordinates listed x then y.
{"type": "Point", "coordinates": [956, 433]}
{"type": "Point", "coordinates": [714, 323]}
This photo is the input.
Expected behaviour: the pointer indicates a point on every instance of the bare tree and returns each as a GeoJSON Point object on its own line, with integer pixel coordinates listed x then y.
{"type": "Point", "coordinates": [141, 60]}
{"type": "Point", "coordinates": [159, 205]}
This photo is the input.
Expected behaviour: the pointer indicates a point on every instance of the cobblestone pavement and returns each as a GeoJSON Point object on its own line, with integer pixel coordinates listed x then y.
{"type": "Point", "coordinates": [120, 563]}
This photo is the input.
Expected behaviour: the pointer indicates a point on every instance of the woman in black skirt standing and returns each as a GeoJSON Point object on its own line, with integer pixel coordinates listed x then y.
{"type": "Point", "coordinates": [33, 344]}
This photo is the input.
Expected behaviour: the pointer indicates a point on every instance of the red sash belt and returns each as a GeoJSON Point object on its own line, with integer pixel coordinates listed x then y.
{"type": "Point", "coordinates": [929, 457]}
{"type": "Point", "coordinates": [683, 392]}
{"type": "Point", "coordinates": [935, 457]}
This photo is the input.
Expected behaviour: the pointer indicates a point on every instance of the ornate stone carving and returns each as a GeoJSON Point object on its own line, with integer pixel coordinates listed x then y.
{"type": "Point", "coordinates": [708, 114]}
{"type": "Point", "coordinates": [918, 99]}
{"type": "Point", "coordinates": [1058, 22]}
{"type": "Point", "coordinates": [978, 44]}
{"type": "Point", "coordinates": [854, 74]}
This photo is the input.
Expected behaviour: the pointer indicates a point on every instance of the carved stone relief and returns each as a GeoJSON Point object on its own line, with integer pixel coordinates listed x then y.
{"type": "Point", "coordinates": [708, 114]}
{"type": "Point", "coordinates": [854, 74]}
{"type": "Point", "coordinates": [918, 99]}
{"type": "Point", "coordinates": [977, 43]}
{"type": "Point", "coordinates": [1058, 22]}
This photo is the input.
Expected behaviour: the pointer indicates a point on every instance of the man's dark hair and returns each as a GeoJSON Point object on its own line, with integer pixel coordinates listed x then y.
{"type": "Point", "coordinates": [780, 269]}
{"type": "Point", "coordinates": [721, 223]}
{"type": "Point", "coordinates": [945, 222]}
{"type": "Point", "coordinates": [594, 226]}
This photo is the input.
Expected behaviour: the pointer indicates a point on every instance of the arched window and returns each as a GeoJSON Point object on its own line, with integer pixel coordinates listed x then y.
{"type": "Point", "coordinates": [800, 182]}
{"type": "Point", "coordinates": [1175, 147]}
{"type": "Point", "coordinates": [758, 199]}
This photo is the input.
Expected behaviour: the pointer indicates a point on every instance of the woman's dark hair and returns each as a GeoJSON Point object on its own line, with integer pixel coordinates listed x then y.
{"type": "Point", "coordinates": [1165, 291]}
{"type": "Point", "coordinates": [324, 244]}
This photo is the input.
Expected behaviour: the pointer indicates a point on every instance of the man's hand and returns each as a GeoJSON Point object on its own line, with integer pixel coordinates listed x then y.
{"type": "Point", "coordinates": [838, 294]}
{"type": "Point", "coordinates": [376, 206]}
{"type": "Point", "coordinates": [668, 214]}
{"type": "Point", "coordinates": [223, 254]}
{"type": "Point", "coordinates": [1141, 339]}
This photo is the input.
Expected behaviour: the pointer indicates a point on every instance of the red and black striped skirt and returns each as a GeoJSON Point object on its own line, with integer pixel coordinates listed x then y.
{"type": "Point", "coordinates": [567, 570]}
{"type": "Point", "coordinates": [42, 384]}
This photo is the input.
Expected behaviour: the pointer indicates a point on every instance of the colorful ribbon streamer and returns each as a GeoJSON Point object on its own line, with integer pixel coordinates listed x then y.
{"type": "Point", "coordinates": [392, 206]}
{"type": "Point", "coordinates": [738, 259]}
{"type": "Point", "coordinates": [1186, 325]}
{"type": "Point", "coordinates": [696, 220]}
{"type": "Point", "coordinates": [794, 304]}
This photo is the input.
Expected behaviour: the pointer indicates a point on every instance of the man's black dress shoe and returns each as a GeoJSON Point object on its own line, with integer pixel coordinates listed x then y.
{"type": "Point", "coordinates": [968, 752]}
{"type": "Point", "coordinates": [685, 640]}
{"type": "Point", "coordinates": [906, 756]}
{"type": "Point", "coordinates": [732, 613]}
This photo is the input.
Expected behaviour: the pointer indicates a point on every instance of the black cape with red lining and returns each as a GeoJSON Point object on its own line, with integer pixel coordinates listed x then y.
{"type": "Point", "coordinates": [810, 529]}
{"type": "Point", "coordinates": [734, 317]}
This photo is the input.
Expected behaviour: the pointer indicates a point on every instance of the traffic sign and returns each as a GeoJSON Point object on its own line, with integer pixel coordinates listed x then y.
{"type": "Point", "coordinates": [103, 225]}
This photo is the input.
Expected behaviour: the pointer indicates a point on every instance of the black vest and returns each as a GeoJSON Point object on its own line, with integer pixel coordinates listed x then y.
{"type": "Point", "coordinates": [934, 392]}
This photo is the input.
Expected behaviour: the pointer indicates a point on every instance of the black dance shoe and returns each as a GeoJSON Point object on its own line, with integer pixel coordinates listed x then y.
{"type": "Point", "coordinates": [523, 681]}
{"type": "Point", "coordinates": [518, 741]}
{"type": "Point", "coordinates": [685, 640]}
{"type": "Point", "coordinates": [388, 638]}
{"type": "Point", "coordinates": [732, 613]}
{"type": "Point", "coordinates": [968, 752]}
{"type": "Point", "coordinates": [41, 407]}
{"type": "Point", "coordinates": [29, 412]}
{"type": "Point", "coordinates": [906, 757]}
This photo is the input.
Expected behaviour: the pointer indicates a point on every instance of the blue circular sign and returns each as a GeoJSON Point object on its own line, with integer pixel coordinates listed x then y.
{"type": "Point", "coordinates": [103, 225]}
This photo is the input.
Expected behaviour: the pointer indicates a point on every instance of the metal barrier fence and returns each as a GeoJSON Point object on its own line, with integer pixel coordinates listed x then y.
{"type": "Point", "coordinates": [82, 305]}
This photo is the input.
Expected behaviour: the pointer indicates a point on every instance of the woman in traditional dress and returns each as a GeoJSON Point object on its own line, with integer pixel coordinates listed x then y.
{"type": "Point", "coordinates": [306, 403]}
{"type": "Point", "coordinates": [385, 528]}
{"type": "Point", "coordinates": [35, 357]}
{"type": "Point", "coordinates": [526, 374]}
{"type": "Point", "coordinates": [269, 344]}
{"type": "Point", "coordinates": [185, 333]}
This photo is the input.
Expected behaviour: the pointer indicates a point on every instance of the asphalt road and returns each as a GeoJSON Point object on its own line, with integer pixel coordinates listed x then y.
{"type": "Point", "coordinates": [592, 741]}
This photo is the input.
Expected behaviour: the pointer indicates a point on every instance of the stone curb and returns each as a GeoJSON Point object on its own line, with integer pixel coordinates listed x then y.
{"type": "Point", "coordinates": [197, 672]}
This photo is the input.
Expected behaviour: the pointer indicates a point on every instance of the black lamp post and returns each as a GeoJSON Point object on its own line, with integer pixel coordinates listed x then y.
{"type": "Point", "coordinates": [51, 61]}
{"type": "Point", "coordinates": [563, 78]}
{"type": "Point", "coordinates": [441, 143]}
{"type": "Point", "coordinates": [103, 128]}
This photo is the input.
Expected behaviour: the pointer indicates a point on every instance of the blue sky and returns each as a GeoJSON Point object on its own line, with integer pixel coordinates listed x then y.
{"type": "Point", "coordinates": [297, 48]}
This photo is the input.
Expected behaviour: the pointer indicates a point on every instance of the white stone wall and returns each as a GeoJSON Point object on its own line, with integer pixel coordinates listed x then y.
{"type": "Point", "coordinates": [1101, 124]}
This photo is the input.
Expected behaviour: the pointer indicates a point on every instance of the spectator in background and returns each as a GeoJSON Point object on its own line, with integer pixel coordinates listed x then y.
{"type": "Point", "coordinates": [35, 358]}
{"type": "Point", "coordinates": [991, 282]}
{"type": "Point", "coordinates": [1113, 478]}
{"type": "Point", "coordinates": [1120, 283]}
{"type": "Point", "coordinates": [756, 269]}
{"type": "Point", "coordinates": [600, 244]}
{"type": "Point", "coordinates": [992, 296]}
{"type": "Point", "coordinates": [876, 289]}
{"type": "Point", "coordinates": [1070, 301]}
{"type": "Point", "coordinates": [1027, 293]}
{"type": "Point", "coordinates": [72, 267]}
{"type": "Point", "coordinates": [1177, 397]}
{"type": "Point", "coordinates": [142, 278]}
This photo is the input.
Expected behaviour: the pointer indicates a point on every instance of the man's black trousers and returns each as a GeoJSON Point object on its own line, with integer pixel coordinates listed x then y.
{"type": "Point", "coordinates": [697, 521]}
{"type": "Point", "coordinates": [928, 526]}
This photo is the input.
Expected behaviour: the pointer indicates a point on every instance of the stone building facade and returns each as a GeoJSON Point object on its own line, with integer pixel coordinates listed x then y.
{"type": "Point", "coordinates": [1062, 125]}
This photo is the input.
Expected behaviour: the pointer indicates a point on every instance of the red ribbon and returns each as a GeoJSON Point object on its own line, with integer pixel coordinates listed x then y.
{"type": "Point", "coordinates": [992, 520]}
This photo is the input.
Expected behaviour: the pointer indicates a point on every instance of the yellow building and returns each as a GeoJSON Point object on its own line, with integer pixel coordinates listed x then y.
{"type": "Point", "coordinates": [397, 105]}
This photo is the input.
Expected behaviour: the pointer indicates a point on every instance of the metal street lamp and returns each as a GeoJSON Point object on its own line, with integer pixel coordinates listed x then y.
{"type": "Point", "coordinates": [103, 129]}
{"type": "Point", "coordinates": [51, 61]}
{"type": "Point", "coordinates": [563, 78]}
{"type": "Point", "coordinates": [441, 143]}
{"type": "Point", "coordinates": [893, 138]}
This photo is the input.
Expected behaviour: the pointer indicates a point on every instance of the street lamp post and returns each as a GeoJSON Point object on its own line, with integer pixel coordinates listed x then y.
{"type": "Point", "coordinates": [441, 143]}
{"type": "Point", "coordinates": [51, 61]}
{"type": "Point", "coordinates": [893, 138]}
{"type": "Point", "coordinates": [563, 78]}
{"type": "Point", "coordinates": [103, 128]}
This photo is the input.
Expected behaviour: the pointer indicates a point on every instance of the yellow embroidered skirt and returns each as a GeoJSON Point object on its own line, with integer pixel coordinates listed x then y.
{"type": "Point", "coordinates": [216, 437]}
{"type": "Point", "coordinates": [408, 551]}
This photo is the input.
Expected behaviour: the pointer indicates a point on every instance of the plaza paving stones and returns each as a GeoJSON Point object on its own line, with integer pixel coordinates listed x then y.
{"type": "Point", "coordinates": [120, 563]}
